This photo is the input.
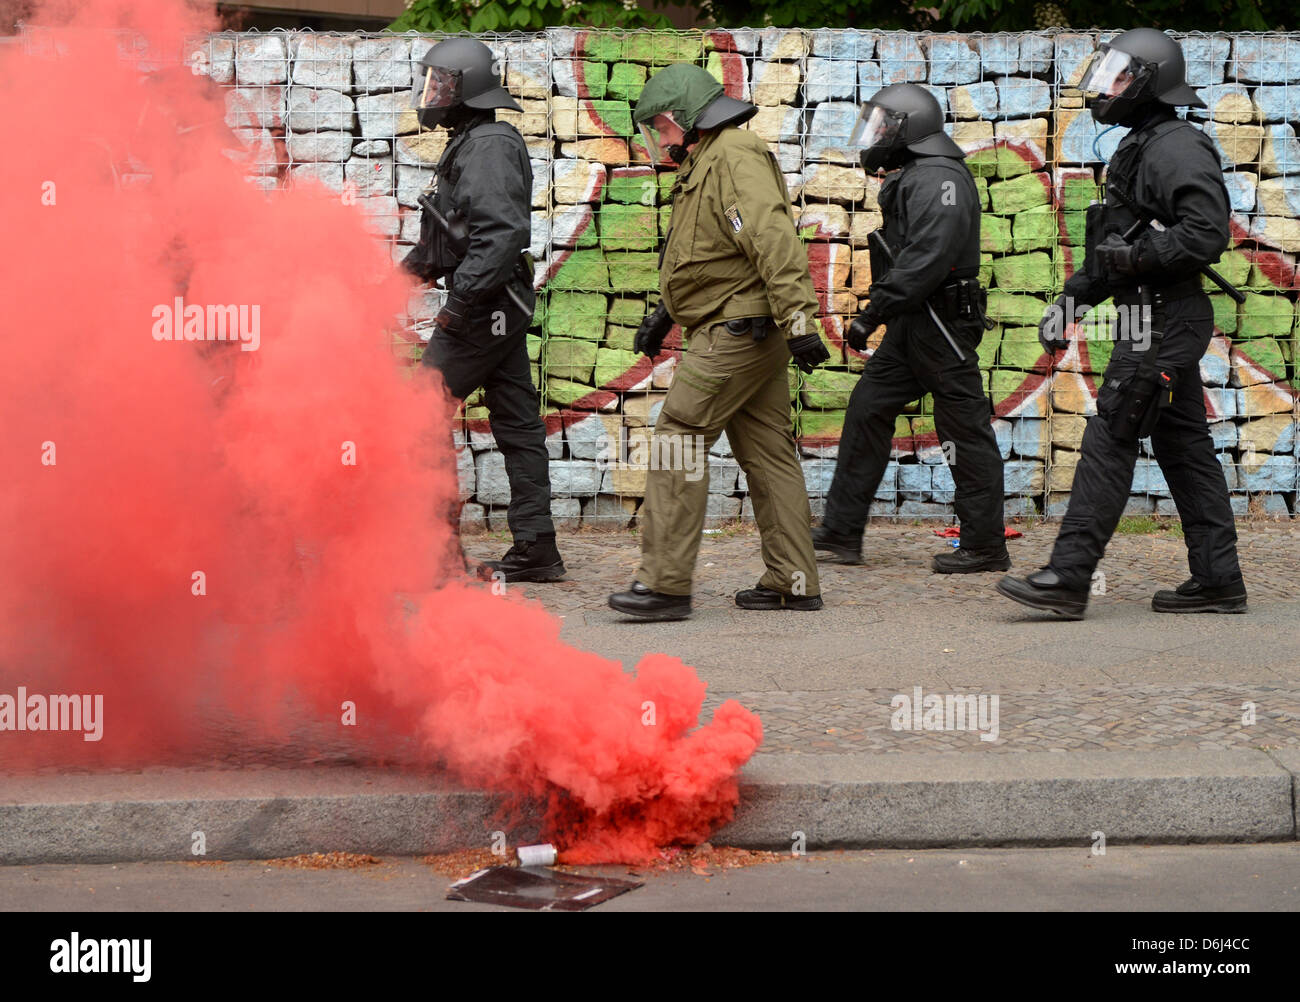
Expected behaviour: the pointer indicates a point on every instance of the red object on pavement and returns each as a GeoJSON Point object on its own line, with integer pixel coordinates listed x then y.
{"type": "Point", "coordinates": [953, 532]}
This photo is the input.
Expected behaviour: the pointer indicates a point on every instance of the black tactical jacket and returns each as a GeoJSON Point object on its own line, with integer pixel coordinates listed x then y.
{"type": "Point", "coordinates": [485, 177]}
{"type": "Point", "coordinates": [1171, 169]}
{"type": "Point", "coordinates": [932, 224]}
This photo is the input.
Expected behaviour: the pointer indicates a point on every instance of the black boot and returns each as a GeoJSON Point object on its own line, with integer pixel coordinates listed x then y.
{"type": "Point", "coordinates": [964, 561]}
{"type": "Point", "coordinates": [643, 603]}
{"type": "Point", "coordinates": [1044, 590]}
{"type": "Point", "coordinates": [845, 548]}
{"type": "Point", "coordinates": [1192, 596]}
{"type": "Point", "coordinates": [759, 597]}
{"type": "Point", "coordinates": [529, 560]}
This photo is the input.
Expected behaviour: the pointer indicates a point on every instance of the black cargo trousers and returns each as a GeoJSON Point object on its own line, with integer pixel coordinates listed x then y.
{"type": "Point", "coordinates": [477, 357]}
{"type": "Point", "coordinates": [1181, 443]}
{"type": "Point", "coordinates": [913, 359]}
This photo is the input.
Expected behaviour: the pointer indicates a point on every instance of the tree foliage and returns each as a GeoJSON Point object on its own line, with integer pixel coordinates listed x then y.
{"type": "Point", "coordinates": [523, 15]}
{"type": "Point", "coordinates": [1174, 15]}
{"type": "Point", "coordinates": [816, 14]}
{"type": "Point", "coordinates": [945, 15]}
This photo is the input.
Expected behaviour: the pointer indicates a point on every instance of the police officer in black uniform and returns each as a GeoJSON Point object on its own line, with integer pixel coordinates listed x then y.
{"type": "Point", "coordinates": [1167, 170]}
{"type": "Point", "coordinates": [926, 290]}
{"type": "Point", "coordinates": [476, 242]}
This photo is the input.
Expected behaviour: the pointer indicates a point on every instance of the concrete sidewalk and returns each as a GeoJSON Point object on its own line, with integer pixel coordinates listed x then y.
{"type": "Point", "coordinates": [1144, 727]}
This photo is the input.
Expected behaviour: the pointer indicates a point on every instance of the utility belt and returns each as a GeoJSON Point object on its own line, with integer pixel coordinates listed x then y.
{"type": "Point", "coordinates": [1181, 289]}
{"type": "Point", "coordinates": [962, 299]}
{"type": "Point", "coordinates": [758, 327]}
{"type": "Point", "coordinates": [1149, 389]}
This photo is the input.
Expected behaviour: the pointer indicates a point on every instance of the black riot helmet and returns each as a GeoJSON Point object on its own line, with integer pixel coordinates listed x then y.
{"type": "Point", "coordinates": [457, 74]}
{"type": "Point", "coordinates": [901, 119]}
{"type": "Point", "coordinates": [1133, 70]}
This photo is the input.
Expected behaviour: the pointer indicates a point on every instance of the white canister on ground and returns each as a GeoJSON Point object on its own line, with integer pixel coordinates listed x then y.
{"type": "Point", "coordinates": [536, 855]}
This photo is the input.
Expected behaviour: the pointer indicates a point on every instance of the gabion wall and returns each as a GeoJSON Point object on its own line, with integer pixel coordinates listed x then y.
{"type": "Point", "coordinates": [334, 109]}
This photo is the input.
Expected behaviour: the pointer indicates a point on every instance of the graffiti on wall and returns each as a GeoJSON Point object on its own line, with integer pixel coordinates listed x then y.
{"type": "Point", "coordinates": [332, 110]}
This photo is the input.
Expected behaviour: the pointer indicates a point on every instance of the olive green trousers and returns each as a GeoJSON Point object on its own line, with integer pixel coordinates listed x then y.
{"type": "Point", "coordinates": [727, 382]}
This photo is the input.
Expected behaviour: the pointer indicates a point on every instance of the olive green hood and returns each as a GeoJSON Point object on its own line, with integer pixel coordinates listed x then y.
{"type": "Point", "coordinates": [683, 90]}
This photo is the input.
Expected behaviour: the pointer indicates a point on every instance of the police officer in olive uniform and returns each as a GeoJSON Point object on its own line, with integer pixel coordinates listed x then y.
{"type": "Point", "coordinates": [734, 275]}
{"type": "Point", "coordinates": [475, 239]}
{"type": "Point", "coordinates": [1167, 170]}
{"type": "Point", "coordinates": [926, 291]}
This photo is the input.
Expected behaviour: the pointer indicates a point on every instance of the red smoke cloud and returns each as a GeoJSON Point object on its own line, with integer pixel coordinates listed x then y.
{"type": "Point", "coordinates": [183, 528]}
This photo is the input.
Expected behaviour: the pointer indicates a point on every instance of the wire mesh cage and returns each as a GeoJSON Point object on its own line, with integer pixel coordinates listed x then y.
{"type": "Point", "coordinates": [334, 109]}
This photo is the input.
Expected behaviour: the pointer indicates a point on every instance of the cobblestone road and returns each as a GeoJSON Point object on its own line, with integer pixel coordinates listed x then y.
{"type": "Point", "coordinates": [1185, 692]}
{"type": "Point", "coordinates": [1123, 679]}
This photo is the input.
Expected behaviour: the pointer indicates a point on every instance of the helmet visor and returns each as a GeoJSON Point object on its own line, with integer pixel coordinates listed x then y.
{"type": "Point", "coordinates": [440, 88]}
{"type": "Point", "coordinates": [651, 137]}
{"type": "Point", "coordinates": [655, 144]}
{"type": "Point", "coordinates": [1111, 73]}
{"type": "Point", "coordinates": [876, 128]}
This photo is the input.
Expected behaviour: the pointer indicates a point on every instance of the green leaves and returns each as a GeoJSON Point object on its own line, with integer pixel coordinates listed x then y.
{"type": "Point", "coordinates": [486, 18]}
{"type": "Point", "coordinates": [523, 15]}
{"type": "Point", "coordinates": [1181, 15]}
{"type": "Point", "coordinates": [813, 13]}
{"type": "Point", "coordinates": [432, 15]}
{"type": "Point", "coordinates": [968, 15]}
{"type": "Point", "coordinates": [959, 11]}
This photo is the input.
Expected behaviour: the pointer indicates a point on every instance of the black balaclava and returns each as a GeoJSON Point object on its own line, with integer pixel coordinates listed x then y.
{"type": "Point", "coordinates": [461, 117]}
{"type": "Point", "coordinates": [898, 156]}
{"type": "Point", "coordinates": [1143, 114]}
{"type": "Point", "coordinates": [431, 118]}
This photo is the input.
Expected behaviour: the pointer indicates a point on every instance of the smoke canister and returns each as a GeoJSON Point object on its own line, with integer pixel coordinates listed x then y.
{"type": "Point", "coordinates": [536, 855]}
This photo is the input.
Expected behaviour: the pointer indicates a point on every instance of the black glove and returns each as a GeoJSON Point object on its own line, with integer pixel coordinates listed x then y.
{"type": "Point", "coordinates": [808, 351]}
{"type": "Point", "coordinates": [649, 340]}
{"type": "Point", "coordinates": [451, 318]}
{"type": "Point", "coordinates": [1051, 329]}
{"type": "Point", "coordinates": [863, 324]}
{"type": "Point", "coordinates": [1119, 258]}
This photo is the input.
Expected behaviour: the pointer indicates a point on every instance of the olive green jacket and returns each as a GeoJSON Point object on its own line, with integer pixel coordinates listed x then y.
{"type": "Point", "coordinates": [732, 250]}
